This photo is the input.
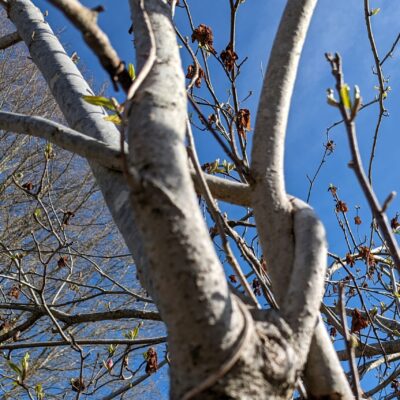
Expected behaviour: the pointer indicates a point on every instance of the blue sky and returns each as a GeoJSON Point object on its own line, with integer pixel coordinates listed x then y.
{"type": "Point", "coordinates": [336, 27]}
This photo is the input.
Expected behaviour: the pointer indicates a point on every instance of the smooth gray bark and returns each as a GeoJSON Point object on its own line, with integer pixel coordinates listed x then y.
{"type": "Point", "coordinates": [62, 136]}
{"type": "Point", "coordinates": [182, 271]}
{"type": "Point", "coordinates": [68, 86]}
{"type": "Point", "coordinates": [275, 221]}
{"type": "Point", "coordinates": [216, 347]}
{"type": "Point", "coordinates": [107, 155]}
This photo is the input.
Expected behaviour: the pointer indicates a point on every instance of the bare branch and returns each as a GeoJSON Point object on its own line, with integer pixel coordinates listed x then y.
{"type": "Point", "coordinates": [62, 136]}
{"type": "Point", "coordinates": [167, 213]}
{"type": "Point", "coordinates": [106, 155]}
{"type": "Point", "coordinates": [349, 346]}
{"type": "Point", "coordinates": [225, 190]}
{"type": "Point", "coordinates": [9, 40]}
{"type": "Point", "coordinates": [106, 315]}
{"type": "Point", "coordinates": [84, 342]}
{"type": "Point", "coordinates": [381, 81]}
{"type": "Point", "coordinates": [132, 384]}
{"type": "Point", "coordinates": [356, 165]}
{"type": "Point", "coordinates": [86, 21]}
{"type": "Point", "coordinates": [272, 210]}
{"type": "Point", "coordinates": [373, 349]}
{"type": "Point", "coordinates": [19, 328]}
{"type": "Point", "coordinates": [39, 311]}
{"type": "Point", "coordinates": [390, 52]}
{"type": "Point", "coordinates": [385, 382]}
{"type": "Point", "coordinates": [275, 221]}
{"type": "Point", "coordinates": [307, 284]}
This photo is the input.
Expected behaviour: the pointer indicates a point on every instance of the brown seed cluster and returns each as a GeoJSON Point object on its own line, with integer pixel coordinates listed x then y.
{"type": "Point", "coordinates": [358, 322]}
{"type": "Point", "coordinates": [204, 35]}
{"type": "Point", "coordinates": [243, 121]}
{"type": "Point", "coordinates": [229, 57]}
{"type": "Point", "coordinates": [151, 361]}
{"type": "Point", "coordinates": [191, 72]}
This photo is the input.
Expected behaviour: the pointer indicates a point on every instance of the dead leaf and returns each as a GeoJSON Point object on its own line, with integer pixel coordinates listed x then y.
{"type": "Point", "coordinates": [152, 362]}
{"type": "Point", "coordinates": [203, 34]}
{"type": "Point", "coordinates": [358, 322]}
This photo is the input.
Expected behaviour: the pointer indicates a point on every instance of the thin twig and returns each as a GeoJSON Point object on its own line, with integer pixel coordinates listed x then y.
{"type": "Point", "coordinates": [371, 321]}
{"type": "Point", "coordinates": [84, 342]}
{"type": "Point", "coordinates": [381, 80]}
{"type": "Point", "coordinates": [232, 43]}
{"type": "Point", "coordinates": [216, 215]}
{"type": "Point", "coordinates": [239, 163]}
{"type": "Point", "coordinates": [132, 384]}
{"type": "Point", "coordinates": [356, 165]}
{"type": "Point", "coordinates": [390, 52]}
{"type": "Point", "coordinates": [326, 152]}
{"type": "Point", "coordinates": [350, 346]}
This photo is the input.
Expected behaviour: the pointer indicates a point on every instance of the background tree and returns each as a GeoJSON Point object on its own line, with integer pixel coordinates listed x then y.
{"type": "Point", "coordinates": [221, 336]}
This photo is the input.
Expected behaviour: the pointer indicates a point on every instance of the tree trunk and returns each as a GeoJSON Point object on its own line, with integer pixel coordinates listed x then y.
{"type": "Point", "coordinates": [217, 345]}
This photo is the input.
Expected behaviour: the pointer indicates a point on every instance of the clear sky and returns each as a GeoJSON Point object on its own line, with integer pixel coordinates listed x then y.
{"type": "Point", "coordinates": [337, 26]}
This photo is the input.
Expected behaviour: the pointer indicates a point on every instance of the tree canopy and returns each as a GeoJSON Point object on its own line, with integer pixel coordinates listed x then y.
{"type": "Point", "coordinates": [156, 225]}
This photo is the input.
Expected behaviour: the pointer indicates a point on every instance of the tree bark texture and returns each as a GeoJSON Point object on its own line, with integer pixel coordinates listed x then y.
{"type": "Point", "coordinates": [217, 345]}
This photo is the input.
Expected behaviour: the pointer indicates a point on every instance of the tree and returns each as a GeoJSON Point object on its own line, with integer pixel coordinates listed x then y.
{"type": "Point", "coordinates": [219, 336]}
{"type": "Point", "coordinates": [57, 237]}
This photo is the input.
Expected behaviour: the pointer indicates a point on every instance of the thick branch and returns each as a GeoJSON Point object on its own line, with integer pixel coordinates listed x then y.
{"type": "Point", "coordinates": [84, 342]}
{"type": "Point", "coordinates": [68, 86]}
{"type": "Point", "coordinates": [181, 271]}
{"type": "Point", "coordinates": [225, 190]}
{"type": "Point", "coordinates": [272, 210]}
{"type": "Point", "coordinates": [274, 221]}
{"type": "Point", "coordinates": [306, 287]}
{"type": "Point", "coordinates": [106, 316]}
{"type": "Point", "coordinates": [9, 40]}
{"type": "Point", "coordinates": [107, 155]}
{"type": "Point", "coordinates": [374, 349]}
{"type": "Point", "coordinates": [86, 21]}
{"type": "Point", "coordinates": [62, 136]}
